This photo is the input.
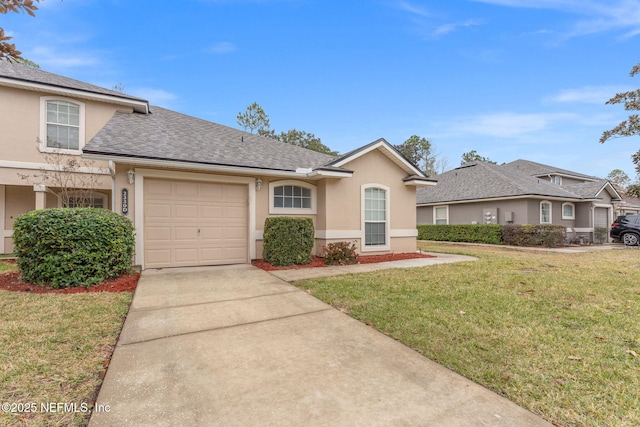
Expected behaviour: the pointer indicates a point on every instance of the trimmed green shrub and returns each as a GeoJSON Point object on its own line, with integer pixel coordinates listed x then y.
{"type": "Point", "coordinates": [67, 247]}
{"type": "Point", "coordinates": [340, 253]}
{"type": "Point", "coordinates": [548, 235]}
{"type": "Point", "coordinates": [600, 235]}
{"type": "Point", "coordinates": [288, 240]}
{"type": "Point", "coordinates": [471, 233]}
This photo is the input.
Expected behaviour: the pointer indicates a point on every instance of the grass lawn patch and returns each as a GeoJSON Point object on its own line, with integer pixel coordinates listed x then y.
{"type": "Point", "coordinates": [52, 350]}
{"type": "Point", "coordinates": [556, 333]}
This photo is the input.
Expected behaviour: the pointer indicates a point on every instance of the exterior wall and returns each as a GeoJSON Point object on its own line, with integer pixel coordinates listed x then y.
{"type": "Point", "coordinates": [20, 156]}
{"type": "Point", "coordinates": [469, 213]}
{"type": "Point", "coordinates": [338, 202]}
{"type": "Point", "coordinates": [343, 198]}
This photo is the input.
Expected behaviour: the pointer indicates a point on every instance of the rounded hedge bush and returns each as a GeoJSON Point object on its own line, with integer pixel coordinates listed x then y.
{"type": "Point", "coordinates": [288, 240]}
{"type": "Point", "coordinates": [67, 247]}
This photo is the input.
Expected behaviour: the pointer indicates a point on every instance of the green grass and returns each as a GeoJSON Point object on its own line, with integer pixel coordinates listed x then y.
{"type": "Point", "coordinates": [52, 349]}
{"type": "Point", "coordinates": [556, 333]}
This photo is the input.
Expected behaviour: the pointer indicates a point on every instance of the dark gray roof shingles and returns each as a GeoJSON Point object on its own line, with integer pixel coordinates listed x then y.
{"type": "Point", "coordinates": [23, 73]}
{"type": "Point", "coordinates": [168, 135]}
{"type": "Point", "coordinates": [481, 180]}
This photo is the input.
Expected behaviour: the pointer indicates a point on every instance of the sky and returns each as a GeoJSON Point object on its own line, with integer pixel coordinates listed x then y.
{"type": "Point", "coordinates": [510, 79]}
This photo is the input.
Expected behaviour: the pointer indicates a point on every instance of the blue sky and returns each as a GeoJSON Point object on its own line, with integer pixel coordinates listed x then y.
{"type": "Point", "coordinates": [508, 78]}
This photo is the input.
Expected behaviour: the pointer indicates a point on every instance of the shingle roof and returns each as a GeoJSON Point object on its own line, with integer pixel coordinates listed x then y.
{"type": "Point", "coordinates": [480, 180]}
{"type": "Point", "coordinates": [167, 135]}
{"type": "Point", "coordinates": [26, 74]}
{"type": "Point", "coordinates": [538, 169]}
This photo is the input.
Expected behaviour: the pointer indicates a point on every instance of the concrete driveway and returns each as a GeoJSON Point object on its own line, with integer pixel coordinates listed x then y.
{"type": "Point", "coordinates": [235, 345]}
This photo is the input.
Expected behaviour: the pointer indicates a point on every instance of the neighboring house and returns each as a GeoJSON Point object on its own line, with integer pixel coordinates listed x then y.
{"type": "Point", "coordinates": [198, 193]}
{"type": "Point", "coordinates": [520, 192]}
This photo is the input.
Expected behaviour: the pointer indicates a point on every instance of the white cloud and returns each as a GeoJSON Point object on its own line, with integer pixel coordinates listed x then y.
{"type": "Point", "coordinates": [508, 124]}
{"type": "Point", "coordinates": [55, 60]}
{"type": "Point", "coordinates": [601, 15]}
{"type": "Point", "coordinates": [222, 47]}
{"type": "Point", "coordinates": [415, 10]}
{"type": "Point", "coordinates": [448, 28]}
{"type": "Point", "coordinates": [158, 97]}
{"type": "Point", "coordinates": [587, 94]}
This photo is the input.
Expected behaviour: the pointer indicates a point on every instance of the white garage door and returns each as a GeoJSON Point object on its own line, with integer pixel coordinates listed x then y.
{"type": "Point", "coordinates": [194, 223]}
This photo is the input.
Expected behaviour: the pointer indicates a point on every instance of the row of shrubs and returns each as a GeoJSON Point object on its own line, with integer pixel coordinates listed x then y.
{"type": "Point", "coordinates": [512, 234]}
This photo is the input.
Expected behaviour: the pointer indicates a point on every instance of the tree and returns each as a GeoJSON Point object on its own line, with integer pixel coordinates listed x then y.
{"type": "Point", "coordinates": [631, 126]}
{"type": "Point", "coordinates": [305, 140]}
{"type": "Point", "coordinates": [254, 119]}
{"type": "Point", "coordinates": [8, 51]}
{"type": "Point", "coordinates": [418, 151]}
{"type": "Point", "coordinates": [619, 177]}
{"type": "Point", "coordinates": [473, 156]}
{"type": "Point", "coordinates": [64, 177]}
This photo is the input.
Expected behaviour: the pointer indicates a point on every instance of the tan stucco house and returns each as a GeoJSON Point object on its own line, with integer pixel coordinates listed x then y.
{"type": "Point", "coordinates": [520, 192]}
{"type": "Point", "coordinates": [197, 192]}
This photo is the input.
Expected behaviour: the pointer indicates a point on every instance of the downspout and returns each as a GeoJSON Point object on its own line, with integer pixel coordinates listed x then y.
{"type": "Point", "coordinates": [112, 172]}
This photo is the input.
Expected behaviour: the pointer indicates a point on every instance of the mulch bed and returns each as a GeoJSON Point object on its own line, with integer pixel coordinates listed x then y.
{"type": "Point", "coordinates": [319, 262]}
{"type": "Point", "coordinates": [12, 281]}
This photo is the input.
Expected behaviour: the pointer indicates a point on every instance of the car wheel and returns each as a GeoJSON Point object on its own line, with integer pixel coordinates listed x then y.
{"type": "Point", "coordinates": [631, 239]}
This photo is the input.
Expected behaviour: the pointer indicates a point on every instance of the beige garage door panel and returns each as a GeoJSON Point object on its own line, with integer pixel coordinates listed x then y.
{"type": "Point", "coordinates": [194, 223]}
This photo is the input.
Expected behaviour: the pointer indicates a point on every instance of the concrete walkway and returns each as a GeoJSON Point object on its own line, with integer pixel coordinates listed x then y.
{"type": "Point", "coordinates": [237, 346]}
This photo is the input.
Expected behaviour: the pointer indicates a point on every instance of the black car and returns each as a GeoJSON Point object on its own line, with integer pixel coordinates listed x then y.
{"type": "Point", "coordinates": [627, 229]}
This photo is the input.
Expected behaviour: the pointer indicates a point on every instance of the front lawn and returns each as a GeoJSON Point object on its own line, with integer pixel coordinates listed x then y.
{"type": "Point", "coordinates": [52, 351]}
{"type": "Point", "coordinates": [558, 334]}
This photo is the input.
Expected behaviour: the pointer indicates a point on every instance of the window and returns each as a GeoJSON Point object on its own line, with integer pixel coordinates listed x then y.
{"type": "Point", "coordinates": [292, 197]}
{"type": "Point", "coordinates": [62, 125]}
{"type": "Point", "coordinates": [82, 200]}
{"type": "Point", "coordinates": [375, 216]}
{"type": "Point", "coordinates": [441, 214]}
{"type": "Point", "coordinates": [545, 212]}
{"type": "Point", "coordinates": [568, 211]}
{"type": "Point", "coordinates": [557, 180]}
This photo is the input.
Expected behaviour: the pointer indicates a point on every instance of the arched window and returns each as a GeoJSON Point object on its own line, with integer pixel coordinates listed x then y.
{"type": "Point", "coordinates": [292, 197]}
{"type": "Point", "coordinates": [568, 211]}
{"type": "Point", "coordinates": [375, 199]}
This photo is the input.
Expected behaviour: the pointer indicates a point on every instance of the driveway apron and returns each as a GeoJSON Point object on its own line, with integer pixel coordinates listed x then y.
{"type": "Point", "coordinates": [237, 346]}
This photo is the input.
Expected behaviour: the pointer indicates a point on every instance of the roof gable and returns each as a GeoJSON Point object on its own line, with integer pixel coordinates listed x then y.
{"type": "Point", "coordinates": [385, 148]}
{"type": "Point", "coordinates": [541, 170]}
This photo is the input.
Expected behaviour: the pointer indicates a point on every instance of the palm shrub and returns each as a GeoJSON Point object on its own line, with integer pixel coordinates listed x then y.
{"type": "Point", "coordinates": [66, 247]}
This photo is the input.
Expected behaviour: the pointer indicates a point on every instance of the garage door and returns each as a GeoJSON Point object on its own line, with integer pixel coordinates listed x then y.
{"type": "Point", "coordinates": [194, 223]}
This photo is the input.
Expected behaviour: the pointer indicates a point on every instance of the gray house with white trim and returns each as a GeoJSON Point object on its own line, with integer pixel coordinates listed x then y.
{"type": "Point", "coordinates": [520, 192]}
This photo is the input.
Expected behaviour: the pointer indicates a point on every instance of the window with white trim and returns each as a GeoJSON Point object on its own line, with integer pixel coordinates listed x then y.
{"type": "Point", "coordinates": [568, 211]}
{"type": "Point", "coordinates": [545, 212]}
{"type": "Point", "coordinates": [292, 197]}
{"type": "Point", "coordinates": [441, 214]}
{"type": "Point", "coordinates": [84, 200]}
{"type": "Point", "coordinates": [62, 127]}
{"type": "Point", "coordinates": [375, 217]}
{"type": "Point", "coordinates": [557, 180]}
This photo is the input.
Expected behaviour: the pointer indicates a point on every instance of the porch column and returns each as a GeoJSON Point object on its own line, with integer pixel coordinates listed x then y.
{"type": "Point", "coordinates": [41, 196]}
{"type": "Point", "coordinates": [2, 217]}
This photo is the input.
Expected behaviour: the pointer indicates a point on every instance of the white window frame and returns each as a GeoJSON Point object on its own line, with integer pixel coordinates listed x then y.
{"type": "Point", "coordinates": [435, 217]}
{"type": "Point", "coordinates": [292, 211]}
{"type": "Point", "coordinates": [387, 221]}
{"type": "Point", "coordinates": [550, 212]}
{"type": "Point", "coordinates": [557, 180]}
{"type": "Point", "coordinates": [43, 126]}
{"type": "Point", "coordinates": [96, 196]}
{"type": "Point", "coordinates": [573, 211]}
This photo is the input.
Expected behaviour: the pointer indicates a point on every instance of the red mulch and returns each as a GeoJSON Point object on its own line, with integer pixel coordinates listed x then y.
{"type": "Point", "coordinates": [12, 281]}
{"type": "Point", "coordinates": [319, 262]}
